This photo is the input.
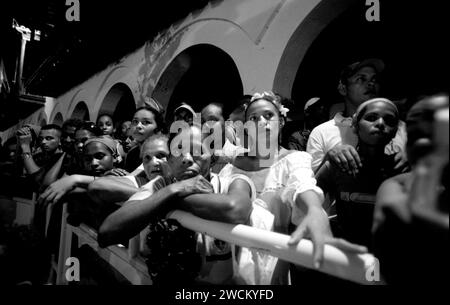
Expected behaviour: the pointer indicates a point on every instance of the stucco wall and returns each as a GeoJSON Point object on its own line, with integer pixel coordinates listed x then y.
{"type": "Point", "coordinates": [266, 39]}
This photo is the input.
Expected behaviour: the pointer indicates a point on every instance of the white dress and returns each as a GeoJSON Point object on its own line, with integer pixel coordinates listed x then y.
{"type": "Point", "coordinates": [275, 190]}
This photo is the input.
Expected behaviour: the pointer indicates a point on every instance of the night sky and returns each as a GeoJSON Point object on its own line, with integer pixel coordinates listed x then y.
{"type": "Point", "coordinates": [74, 51]}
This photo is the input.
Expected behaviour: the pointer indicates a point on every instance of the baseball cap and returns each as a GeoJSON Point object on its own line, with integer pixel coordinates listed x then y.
{"type": "Point", "coordinates": [350, 70]}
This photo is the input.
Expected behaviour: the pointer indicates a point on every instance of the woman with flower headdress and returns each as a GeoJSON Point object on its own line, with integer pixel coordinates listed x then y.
{"type": "Point", "coordinates": [285, 189]}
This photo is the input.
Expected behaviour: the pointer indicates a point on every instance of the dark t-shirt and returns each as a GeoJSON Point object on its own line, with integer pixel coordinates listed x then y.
{"type": "Point", "coordinates": [298, 140]}
{"type": "Point", "coordinates": [133, 159]}
{"type": "Point", "coordinates": [355, 197]}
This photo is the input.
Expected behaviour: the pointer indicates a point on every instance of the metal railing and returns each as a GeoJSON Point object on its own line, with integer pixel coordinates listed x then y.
{"type": "Point", "coordinates": [353, 267]}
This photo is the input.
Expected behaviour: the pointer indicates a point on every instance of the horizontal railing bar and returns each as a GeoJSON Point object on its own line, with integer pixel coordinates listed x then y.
{"type": "Point", "coordinates": [349, 266]}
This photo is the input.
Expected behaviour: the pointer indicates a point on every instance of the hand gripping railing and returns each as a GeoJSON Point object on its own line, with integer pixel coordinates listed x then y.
{"type": "Point", "coordinates": [349, 266]}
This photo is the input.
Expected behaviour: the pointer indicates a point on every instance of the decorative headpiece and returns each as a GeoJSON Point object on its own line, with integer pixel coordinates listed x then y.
{"type": "Point", "coordinates": [271, 97]}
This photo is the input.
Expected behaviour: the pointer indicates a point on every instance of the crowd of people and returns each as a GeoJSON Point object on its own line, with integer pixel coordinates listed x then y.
{"type": "Point", "coordinates": [355, 176]}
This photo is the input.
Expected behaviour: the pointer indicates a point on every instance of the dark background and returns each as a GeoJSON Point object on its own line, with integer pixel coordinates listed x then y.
{"type": "Point", "coordinates": [411, 38]}
{"type": "Point", "coordinates": [74, 51]}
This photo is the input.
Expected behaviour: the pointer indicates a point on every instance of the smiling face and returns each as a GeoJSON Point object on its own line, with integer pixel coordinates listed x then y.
{"type": "Point", "coordinates": [143, 125]}
{"type": "Point", "coordinates": [190, 160]}
{"type": "Point", "coordinates": [154, 158]}
{"type": "Point", "coordinates": [378, 124]}
{"type": "Point", "coordinates": [105, 123]}
{"type": "Point", "coordinates": [361, 86]}
{"type": "Point", "coordinates": [97, 158]}
{"type": "Point", "coordinates": [49, 140]}
{"type": "Point", "coordinates": [266, 118]}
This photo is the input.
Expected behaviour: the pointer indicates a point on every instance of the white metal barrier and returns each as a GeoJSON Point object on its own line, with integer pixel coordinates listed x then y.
{"type": "Point", "coordinates": [353, 267]}
{"type": "Point", "coordinates": [125, 261]}
{"type": "Point", "coordinates": [349, 266]}
{"type": "Point", "coordinates": [25, 209]}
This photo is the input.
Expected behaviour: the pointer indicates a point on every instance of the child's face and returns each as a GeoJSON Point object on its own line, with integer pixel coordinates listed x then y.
{"type": "Point", "coordinates": [143, 125]}
{"type": "Point", "coordinates": [105, 123]}
{"type": "Point", "coordinates": [97, 158]}
{"type": "Point", "coordinates": [267, 120]}
{"type": "Point", "coordinates": [154, 158]}
{"type": "Point", "coordinates": [378, 124]}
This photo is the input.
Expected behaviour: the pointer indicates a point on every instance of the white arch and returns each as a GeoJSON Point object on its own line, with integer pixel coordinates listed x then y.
{"type": "Point", "coordinates": [57, 109]}
{"type": "Point", "coordinates": [112, 98]}
{"type": "Point", "coordinates": [80, 95]}
{"type": "Point", "coordinates": [58, 119]}
{"type": "Point", "coordinates": [238, 46]}
{"type": "Point", "coordinates": [80, 111]}
{"type": "Point", "coordinates": [266, 39]}
{"type": "Point", "coordinates": [120, 74]}
{"type": "Point", "coordinates": [301, 33]}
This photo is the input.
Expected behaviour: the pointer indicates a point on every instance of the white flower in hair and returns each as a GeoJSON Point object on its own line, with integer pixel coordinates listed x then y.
{"type": "Point", "coordinates": [283, 110]}
{"type": "Point", "coordinates": [273, 98]}
{"type": "Point", "coordinates": [258, 96]}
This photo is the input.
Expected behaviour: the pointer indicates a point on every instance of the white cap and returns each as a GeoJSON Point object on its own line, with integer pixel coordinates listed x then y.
{"type": "Point", "coordinates": [311, 102]}
{"type": "Point", "coordinates": [187, 107]}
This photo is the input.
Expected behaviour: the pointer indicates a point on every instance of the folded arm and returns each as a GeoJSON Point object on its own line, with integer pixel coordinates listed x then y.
{"type": "Point", "coordinates": [107, 190]}
{"type": "Point", "coordinates": [233, 207]}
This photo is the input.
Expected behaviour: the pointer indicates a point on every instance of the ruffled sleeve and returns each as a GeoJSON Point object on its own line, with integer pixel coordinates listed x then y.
{"type": "Point", "coordinates": [300, 178]}
{"type": "Point", "coordinates": [226, 181]}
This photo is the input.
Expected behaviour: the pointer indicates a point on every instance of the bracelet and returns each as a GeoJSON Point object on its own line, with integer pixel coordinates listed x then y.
{"type": "Point", "coordinates": [26, 155]}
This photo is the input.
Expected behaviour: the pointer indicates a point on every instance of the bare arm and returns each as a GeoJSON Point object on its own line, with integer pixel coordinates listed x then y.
{"type": "Point", "coordinates": [108, 190]}
{"type": "Point", "coordinates": [28, 162]}
{"type": "Point", "coordinates": [134, 216]}
{"type": "Point", "coordinates": [391, 195]}
{"type": "Point", "coordinates": [63, 186]}
{"type": "Point", "coordinates": [234, 207]}
{"type": "Point", "coordinates": [52, 174]}
{"type": "Point", "coordinates": [316, 225]}
{"type": "Point", "coordinates": [24, 139]}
